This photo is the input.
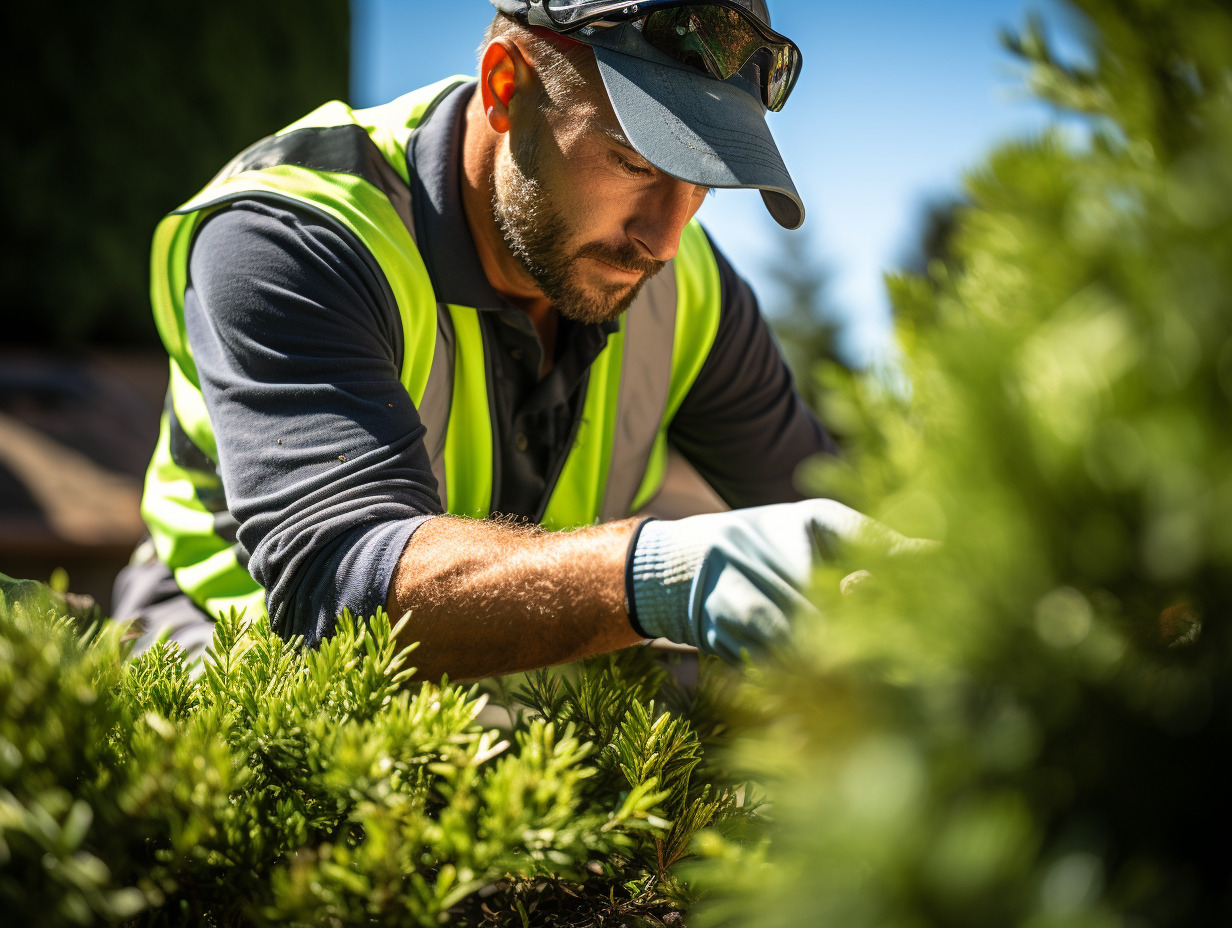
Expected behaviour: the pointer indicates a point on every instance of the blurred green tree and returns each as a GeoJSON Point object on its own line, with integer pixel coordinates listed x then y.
{"type": "Point", "coordinates": [799, 309]}
{"type": "Point", "coordinates": [1031, 725]}
{"type": "Point", "coordinates": [935, 238]}
{"type": "Point", "coordinates": [117, 113]}
{"type": "Point", "coordinates": [806, 324]}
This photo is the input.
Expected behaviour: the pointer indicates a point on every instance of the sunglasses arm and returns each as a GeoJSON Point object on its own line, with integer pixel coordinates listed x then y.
{"type": "Point", "coordinates": [571, 15]}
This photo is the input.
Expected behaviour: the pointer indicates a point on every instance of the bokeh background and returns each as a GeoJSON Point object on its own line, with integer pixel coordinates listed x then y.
{"type": "Point", "coordinates": [122, 111]}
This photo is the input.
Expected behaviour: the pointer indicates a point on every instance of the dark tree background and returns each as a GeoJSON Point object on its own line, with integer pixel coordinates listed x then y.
{"type": "Point", "coordinates": [118, 112]}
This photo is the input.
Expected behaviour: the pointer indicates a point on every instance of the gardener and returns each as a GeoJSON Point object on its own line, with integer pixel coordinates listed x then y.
{"type": "Point", "coordinates": [490, 299]}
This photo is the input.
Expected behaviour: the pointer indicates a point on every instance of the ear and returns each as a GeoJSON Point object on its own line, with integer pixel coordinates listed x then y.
{"type": "Point", "coordinates": [498, 80]}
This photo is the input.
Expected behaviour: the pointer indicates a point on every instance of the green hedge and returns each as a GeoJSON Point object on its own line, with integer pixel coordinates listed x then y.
{"type": "Point", "coordinates": [283, 786]}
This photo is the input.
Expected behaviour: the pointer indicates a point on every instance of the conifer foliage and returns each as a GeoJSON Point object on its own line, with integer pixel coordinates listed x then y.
{"type": "Point", "coordinates": [274, 785]}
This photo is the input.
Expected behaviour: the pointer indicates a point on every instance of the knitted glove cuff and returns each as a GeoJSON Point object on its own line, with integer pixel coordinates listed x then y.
{"type": "Point", "coordinates": [664, 564]}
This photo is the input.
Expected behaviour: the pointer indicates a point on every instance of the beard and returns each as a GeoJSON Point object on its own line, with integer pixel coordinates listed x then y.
{"type": "Point", "coordinates": [540, 241]}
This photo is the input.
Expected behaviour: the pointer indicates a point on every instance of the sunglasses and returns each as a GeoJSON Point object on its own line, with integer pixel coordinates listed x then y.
{"type": "Point", "coordinates": [720, 38]}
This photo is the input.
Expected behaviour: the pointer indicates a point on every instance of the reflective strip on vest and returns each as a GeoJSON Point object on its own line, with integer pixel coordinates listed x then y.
{"type": "Point", "coordinates": [349, 167]}
{"type": "Point", "coordinates": [645, 381]}
{"type": "Point", "coordinates": [698, 298]}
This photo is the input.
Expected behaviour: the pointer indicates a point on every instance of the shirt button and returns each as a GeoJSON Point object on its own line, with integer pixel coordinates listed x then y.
{"type": "Point", "coordinates": [520, 441]}
{"type": "Point", "coordinates": [516, 354]}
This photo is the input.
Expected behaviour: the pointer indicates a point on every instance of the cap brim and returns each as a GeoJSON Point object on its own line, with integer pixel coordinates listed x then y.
{"type": "Point", "coordinates": [694, 127]}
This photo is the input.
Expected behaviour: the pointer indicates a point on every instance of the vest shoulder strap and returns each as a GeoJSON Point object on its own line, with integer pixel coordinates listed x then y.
{"type": "Point", "coordinates": [645, 382]}
{"type": "Point", "coordinates": [349, 166]}
{"type": "Point", "coordinates": [389, 125]}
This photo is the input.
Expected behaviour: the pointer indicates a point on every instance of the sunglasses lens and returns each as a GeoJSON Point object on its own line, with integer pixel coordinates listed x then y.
{"type": "Point", "coordinates": [781, 76]}
{"type": "Point", "coordinates": [721, 42]}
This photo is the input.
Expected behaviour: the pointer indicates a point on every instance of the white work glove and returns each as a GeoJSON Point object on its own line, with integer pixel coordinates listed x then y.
{"type": "Point", "coordinates": [729, 582]}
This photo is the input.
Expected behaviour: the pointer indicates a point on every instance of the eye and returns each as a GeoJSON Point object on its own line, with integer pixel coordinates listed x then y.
{"type": "Point", "coordinates": [634, 170]}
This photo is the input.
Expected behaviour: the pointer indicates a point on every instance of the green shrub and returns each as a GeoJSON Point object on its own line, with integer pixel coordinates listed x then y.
{"type": "Point", "coordinates": [274, 785]}
{"type": "Point", "coordinates": [1031, 726]}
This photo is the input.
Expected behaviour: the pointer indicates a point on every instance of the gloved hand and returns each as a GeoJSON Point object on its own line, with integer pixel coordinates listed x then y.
{"type": "Point", "coordinates": [730, 581]}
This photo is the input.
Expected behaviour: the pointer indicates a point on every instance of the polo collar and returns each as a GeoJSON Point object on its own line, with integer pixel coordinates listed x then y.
{"type": "Point", "coordinates": [433, 158]}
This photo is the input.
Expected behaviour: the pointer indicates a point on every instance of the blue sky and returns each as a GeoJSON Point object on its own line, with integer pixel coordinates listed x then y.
{"type": "Point", "coordinates": [896, 99]}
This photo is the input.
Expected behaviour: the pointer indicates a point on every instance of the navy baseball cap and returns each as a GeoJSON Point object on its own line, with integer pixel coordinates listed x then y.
{"type": "Point", "coordinates": [684, 121]}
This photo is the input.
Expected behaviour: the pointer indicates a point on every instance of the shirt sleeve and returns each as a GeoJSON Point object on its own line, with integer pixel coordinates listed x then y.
{"type": "Point", "coordinates": [298, 344]}
{"type": "Point", "coordinates": [742, 424]}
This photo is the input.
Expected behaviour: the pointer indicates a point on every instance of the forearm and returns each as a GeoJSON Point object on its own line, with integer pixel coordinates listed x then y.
{"type": "Point", "coordinates": [488, 597]}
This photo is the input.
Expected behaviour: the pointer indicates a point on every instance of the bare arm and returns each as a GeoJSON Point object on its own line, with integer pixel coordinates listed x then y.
{"type": "Point", "coordinates": [488, 597]}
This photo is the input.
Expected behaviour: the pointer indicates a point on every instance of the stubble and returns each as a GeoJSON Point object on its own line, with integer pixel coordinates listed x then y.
{"type": "Point", "coordinates": [539, 240]}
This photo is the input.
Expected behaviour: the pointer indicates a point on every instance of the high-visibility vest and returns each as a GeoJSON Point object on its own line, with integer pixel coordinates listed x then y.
{"type": "Point", "coordinates": [350, 167]}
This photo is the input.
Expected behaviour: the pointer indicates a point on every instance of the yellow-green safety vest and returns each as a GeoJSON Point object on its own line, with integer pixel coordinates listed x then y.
{"type": "Point", "coordinates": [350, 167]}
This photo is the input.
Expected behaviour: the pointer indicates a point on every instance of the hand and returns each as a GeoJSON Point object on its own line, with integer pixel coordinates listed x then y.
{"type": "Point", "coordinates": [731, 581]}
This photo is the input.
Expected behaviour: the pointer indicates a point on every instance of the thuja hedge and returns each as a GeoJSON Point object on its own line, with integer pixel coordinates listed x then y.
{"type": "Point", "coordinates": [276, 785]}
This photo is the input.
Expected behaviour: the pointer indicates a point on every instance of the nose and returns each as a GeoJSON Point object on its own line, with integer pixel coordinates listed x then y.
{"type": "Point", "coordinates": [661, 216]}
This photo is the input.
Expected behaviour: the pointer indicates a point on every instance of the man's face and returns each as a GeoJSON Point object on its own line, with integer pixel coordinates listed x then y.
{"type": "Point", "coordinates": [584, 215]}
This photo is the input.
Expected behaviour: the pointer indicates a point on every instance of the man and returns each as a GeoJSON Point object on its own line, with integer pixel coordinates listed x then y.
{"type": "Point", "coordinates": [488, 298]}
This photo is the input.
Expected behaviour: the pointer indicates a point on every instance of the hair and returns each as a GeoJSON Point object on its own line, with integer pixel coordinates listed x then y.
{"type": "Point", "coordinates": [566, 69]}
